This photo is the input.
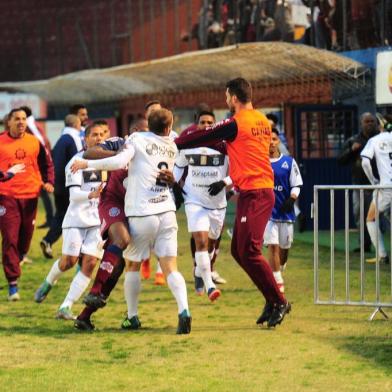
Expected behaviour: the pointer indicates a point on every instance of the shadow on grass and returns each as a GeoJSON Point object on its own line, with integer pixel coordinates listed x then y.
{"type": "Point", "coordinates": [372, 348]}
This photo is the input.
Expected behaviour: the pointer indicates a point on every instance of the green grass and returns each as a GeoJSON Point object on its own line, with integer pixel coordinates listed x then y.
{"type": "Point", "coordinates": [317, 348]}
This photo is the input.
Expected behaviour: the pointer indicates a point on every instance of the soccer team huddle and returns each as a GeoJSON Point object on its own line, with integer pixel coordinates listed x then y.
{"type": "Point", "coordinates": [124, 194]}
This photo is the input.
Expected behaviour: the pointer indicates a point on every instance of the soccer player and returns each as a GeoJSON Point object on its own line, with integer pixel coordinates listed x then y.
{"type": "Point", "coordinates": [279, 232]}
{"type": "Point", "coordinates": [205, 203]}
{"type": "Point", "coordinates": [248, 137]}
{"type": "Point", "coordinates": [81, 232]}
{"type": "Point", "coordinates": [380, 148]}
{"type": "Point", "coordinates": [19, 195]}
{"type": "Point", "coordinates": [150, 209]}
{"type": "Point", "coordinates": [66, 147]}
{"type": "Point", "coordinates": [114, 229]}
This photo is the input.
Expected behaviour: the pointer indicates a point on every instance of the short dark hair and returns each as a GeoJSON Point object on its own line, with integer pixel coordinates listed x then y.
{"type": "Point", "coordinates": [201, 107]}
{"type": "Point", "coordinates": [273, 117]}
{"type": "Point", "coordinates": [89, 128]}
{"type": "Point", "coordinates": [241, 88]}
{"type": "Point", "coordinates": [100, 122]}
{"type": "Point", "coordinates": [27, 110]}
{"type": "Point", "coordinates": [74, 109]}
{"type": "Point", "coordinates": [205, 113]}
{"type": "Point", "coordinates": [159, 120]}
{"type": "Point", "coordinates": [14, 111]}
{"type": "Point", "coordinates": [150, 103]}
{"type": "Point", "coordinates": [275, 131]}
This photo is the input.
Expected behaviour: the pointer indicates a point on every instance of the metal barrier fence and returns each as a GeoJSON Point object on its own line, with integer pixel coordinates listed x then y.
{"type": "Point", "coordinates": [337, 295]}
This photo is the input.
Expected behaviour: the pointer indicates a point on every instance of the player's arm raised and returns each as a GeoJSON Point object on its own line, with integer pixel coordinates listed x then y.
{"type": "Point", "coordinates": [223, 130]}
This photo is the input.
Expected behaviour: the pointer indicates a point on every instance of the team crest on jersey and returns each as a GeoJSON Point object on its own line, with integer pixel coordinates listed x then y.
{"type": "Point", "coordinates": [20, 154]}
{"type": "Point", "coordinates": [3, 210]}
{"type": "Point", "coordinates": [114, 211]}
{"type": "Point", "coordinates": [285, 165]}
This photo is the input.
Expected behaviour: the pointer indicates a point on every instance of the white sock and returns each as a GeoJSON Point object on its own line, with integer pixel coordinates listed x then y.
{"type": "Point", "coordinates": [54, 273]}
{"type": "Point", "coordinates": [197, 271]}
{"type": "Point", "coordinates": [78, 286]}
{"type": "Point", "coordinates": [159, 269]}
{"type": "Point", "coordinates": [278, 277]}
{"type": "Point", "coordinates": [372, 229]}
{"type": "Point", "coordinates": [204, 263]}
{"type": "Point", "coordinates": [132, 289]}
{"type": "Point", "coordinates": [177, 285]}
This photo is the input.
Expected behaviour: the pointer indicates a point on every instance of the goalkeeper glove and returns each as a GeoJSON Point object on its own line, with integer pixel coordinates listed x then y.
{"type": "Point", "coordinates": [216, 187]}
{"type": "Point", "coordinates": [288, 205]}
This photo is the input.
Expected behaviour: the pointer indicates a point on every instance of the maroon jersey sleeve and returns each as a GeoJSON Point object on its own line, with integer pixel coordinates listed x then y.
{"type": "Point", "coordinates": [45, 164]}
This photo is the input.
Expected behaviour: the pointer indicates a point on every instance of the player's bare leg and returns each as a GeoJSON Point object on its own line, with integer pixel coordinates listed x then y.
{"type": "Point", "coordinates": [284, 255]}
{"type": "Point", "coordinates": [213, 250]}
{"type": "Point", "coordinates": [274, 260]}
{"type": "Point", "coordinates": [203, 264]}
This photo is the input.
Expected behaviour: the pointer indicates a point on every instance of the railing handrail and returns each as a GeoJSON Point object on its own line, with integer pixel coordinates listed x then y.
{"type": "Point", "coordinates": [351, 187]}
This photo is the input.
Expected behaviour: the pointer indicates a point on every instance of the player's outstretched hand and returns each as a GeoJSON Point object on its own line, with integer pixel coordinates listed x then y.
{"type": "Point", "coordinates": [288, 205]}
{"type": "Point", "coordinates": [78, 165]}
{"type": "Point", "coordinates": [216, 187]}
{"type": "Point", "coordinates": [178, 195]}
{"type": "Point", "coordinates": [48, 187]}
{"type": "Point", "coordinates": [18, 168]}
{"type": "Point", "coordinates": [166, 176]}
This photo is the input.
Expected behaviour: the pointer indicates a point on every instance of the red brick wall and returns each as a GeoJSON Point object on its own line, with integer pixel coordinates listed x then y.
{"type": "Point", "coordinates": [46, 38]}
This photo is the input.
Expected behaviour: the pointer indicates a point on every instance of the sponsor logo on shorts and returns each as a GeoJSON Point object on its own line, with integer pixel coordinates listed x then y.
{"type": "Point", "coordinates": [106, 266]}
{"type": "Point", "coordinates": [243, 219]}
{"type": "Point", "coordinates": [114, 211]}
{"type": "Point", "coordinates": [3, 210]}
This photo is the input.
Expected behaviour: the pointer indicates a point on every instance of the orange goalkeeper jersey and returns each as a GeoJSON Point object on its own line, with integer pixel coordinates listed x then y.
{"type": "Point", "coordinates": [250, 166]}
{"type": "Point", "coordinates": [21, 150]}
{"type": "Point", "coordinates": [248, 137]}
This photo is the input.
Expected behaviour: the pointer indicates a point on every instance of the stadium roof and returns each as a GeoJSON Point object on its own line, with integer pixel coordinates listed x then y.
{"type": "Point", "coordinates": [266, 64]}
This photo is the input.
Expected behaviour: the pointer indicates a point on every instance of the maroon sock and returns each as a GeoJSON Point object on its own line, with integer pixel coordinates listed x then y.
{"type": "Point", "coordinates": [86, 313]}
{"type": "Point", "coordinates": [110, 259]}
{"type": "Point", "coordinates": [110, 283]}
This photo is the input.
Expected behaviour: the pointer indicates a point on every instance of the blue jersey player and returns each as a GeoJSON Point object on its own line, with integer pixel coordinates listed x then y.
{"type": "Point", "coordinates": [278, 235]}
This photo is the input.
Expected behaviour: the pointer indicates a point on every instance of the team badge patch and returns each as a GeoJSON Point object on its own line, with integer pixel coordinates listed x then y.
{"type": "Point", "coordinates": [114, 211]}
{"type": "Point", "coordinates": [285, 165]}
{"type": "Point", "coordinates": [3, 210]}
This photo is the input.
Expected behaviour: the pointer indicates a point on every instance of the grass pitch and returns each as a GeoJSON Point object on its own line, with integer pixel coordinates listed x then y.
{"type": "Point", "coordinates": [317, 348]}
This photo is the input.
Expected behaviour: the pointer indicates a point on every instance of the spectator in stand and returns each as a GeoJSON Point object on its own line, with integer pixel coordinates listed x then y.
{"type": "Point", "coordinates": [351, 155]}
{"type": "Point", "coordinates": [40, 134]}
{"type": "Point", "coordinates": [66, 147]}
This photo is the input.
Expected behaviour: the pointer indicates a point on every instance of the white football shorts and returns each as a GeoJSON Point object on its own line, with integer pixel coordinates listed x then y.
{"type": "Point", "coordinates": [87, 241]}
{"type": "Point", "coordinates": [154, 232]}
{"type": "Point", "coordinates": [384, 199]}
{"type": "Point", "coordinates": [279, 233]}
{"type": "Point", "coordinates": [202, 219]}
